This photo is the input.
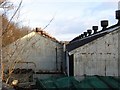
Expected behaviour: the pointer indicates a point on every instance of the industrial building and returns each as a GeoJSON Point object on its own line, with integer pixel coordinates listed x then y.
{"type": "Point", "coordinates": [93, 55]}
{"type": "Point", "coordinates": [96, 53]}
{"type": "Point", "coordinates": [37, 52]}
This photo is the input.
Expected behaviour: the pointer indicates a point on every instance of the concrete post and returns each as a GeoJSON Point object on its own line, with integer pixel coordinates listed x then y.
{"type": "Point", "coordinates": [0, 50]}
{"type": "Point", "coordinates": [118, 52]}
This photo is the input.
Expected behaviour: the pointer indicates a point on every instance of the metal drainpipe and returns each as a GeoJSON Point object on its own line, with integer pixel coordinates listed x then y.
{"type": "Point", "coordinates": [62, 56]}
{"type": "Point", "coordinates": [105, 67]}
{"type": "Point", "coordinates": [64, 59]}
{"type": "Point", "coordinates": [56, 59]}
{"type": "Point", "coordinates": [63, 51]}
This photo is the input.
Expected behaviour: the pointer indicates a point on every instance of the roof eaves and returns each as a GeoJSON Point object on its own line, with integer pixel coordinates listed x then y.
{"type": "Point", "coordinates": [80, 42]}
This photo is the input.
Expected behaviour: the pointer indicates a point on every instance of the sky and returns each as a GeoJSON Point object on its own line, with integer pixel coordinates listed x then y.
{"type": "Point", "coordinates": [71, 17]}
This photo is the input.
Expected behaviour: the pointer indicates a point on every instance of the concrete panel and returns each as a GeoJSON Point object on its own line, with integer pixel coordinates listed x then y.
{"type": "Point", "coordinates": [119, 52]}
{"type": "Point", "coordinates": [111, 68]}
{"type": "Point", "coordinates": [79, 68]}
{"type": "Point", "coordinates": [38, 50]}
{"type": "Point", "coordinates": [95, 68]}
{"type": "Point", "coordinates": [99, 57]}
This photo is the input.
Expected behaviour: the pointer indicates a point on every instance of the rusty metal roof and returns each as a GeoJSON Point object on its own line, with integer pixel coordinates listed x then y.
{"type": "Point", "coordinates": [45, 34]}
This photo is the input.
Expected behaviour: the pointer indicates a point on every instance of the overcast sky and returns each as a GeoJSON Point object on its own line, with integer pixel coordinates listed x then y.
{"type": "Point", "coordinates": [71, 17]}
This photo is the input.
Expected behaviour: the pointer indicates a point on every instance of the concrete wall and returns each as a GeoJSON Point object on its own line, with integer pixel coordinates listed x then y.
{"type": "Point", "coordinates": [99, 57]}
{"type": "Point", "coordinates": [119, 53]}
{"type": "Point", "coordinates": [36, 51]}
{"type": "Point", "coordinates": [0, 50]}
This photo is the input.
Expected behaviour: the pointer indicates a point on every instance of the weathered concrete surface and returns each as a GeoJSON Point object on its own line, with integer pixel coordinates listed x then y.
{"type": "Point", "coordinates": [36, 52]}
{"type": "Point", "coordinates": [99, 57]}
{"type": "Point", "coordinates": [119, 52]}
{"type": "Point", "coordinates": [0, 49]}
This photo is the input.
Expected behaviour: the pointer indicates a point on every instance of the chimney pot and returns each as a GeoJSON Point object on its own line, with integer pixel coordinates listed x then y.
{"type": "Point", "coordinates": [118, 16]}
{"type": "Point", "coordinates": [85, 34]}
{"type": "Point", "coordinates": [95, 28]}
{"type": "Point", "coordinates": [82, 35]}
{"type": "Point", "coordinates": [104, 24]}
{"type": "Point", "coordinates": [89, 32]}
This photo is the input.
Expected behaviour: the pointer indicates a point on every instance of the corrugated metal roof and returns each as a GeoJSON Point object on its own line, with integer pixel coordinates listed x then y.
{"type": "Point", "coordinates": [77, 42]}
{"type": "Point", "coordinates": [89, 82]}
{"type": "Point", "coordinates": [99, 82]}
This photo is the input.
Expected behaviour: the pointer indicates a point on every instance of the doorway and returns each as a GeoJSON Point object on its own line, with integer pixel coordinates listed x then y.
{"type": "Point", "coordinates": [71, 65]}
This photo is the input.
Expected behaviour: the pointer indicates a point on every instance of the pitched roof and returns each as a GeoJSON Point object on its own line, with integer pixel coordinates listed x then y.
{"type": "Point", "coordinates": [77, 42]}
{"type": "Point", "coordinates": [39, 32]}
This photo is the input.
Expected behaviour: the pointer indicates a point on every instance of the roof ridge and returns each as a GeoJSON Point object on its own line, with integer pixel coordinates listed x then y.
{"type": "Point", "coordinates": [45, 34]}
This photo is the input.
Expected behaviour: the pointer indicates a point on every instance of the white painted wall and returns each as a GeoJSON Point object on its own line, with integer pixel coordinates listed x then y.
{"type": "Point", "coordinates": [34, 48]}
{"type": "Point", "coordinates": [99, 57]}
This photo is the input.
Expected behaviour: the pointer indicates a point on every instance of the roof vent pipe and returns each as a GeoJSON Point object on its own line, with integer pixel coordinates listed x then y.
{"type": "Point", "coordinates": [95, 28]}
{"type": "Point", "coordinates": [82, 35]}
{"type": "Point", "coordinates": [85, 34]}
{"type": "Point", "coordinates": [89, 32]}
{"type": "Point", "coordinates": [118, 16]}
{"type": "Point", "coordinates": [104, 24]}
